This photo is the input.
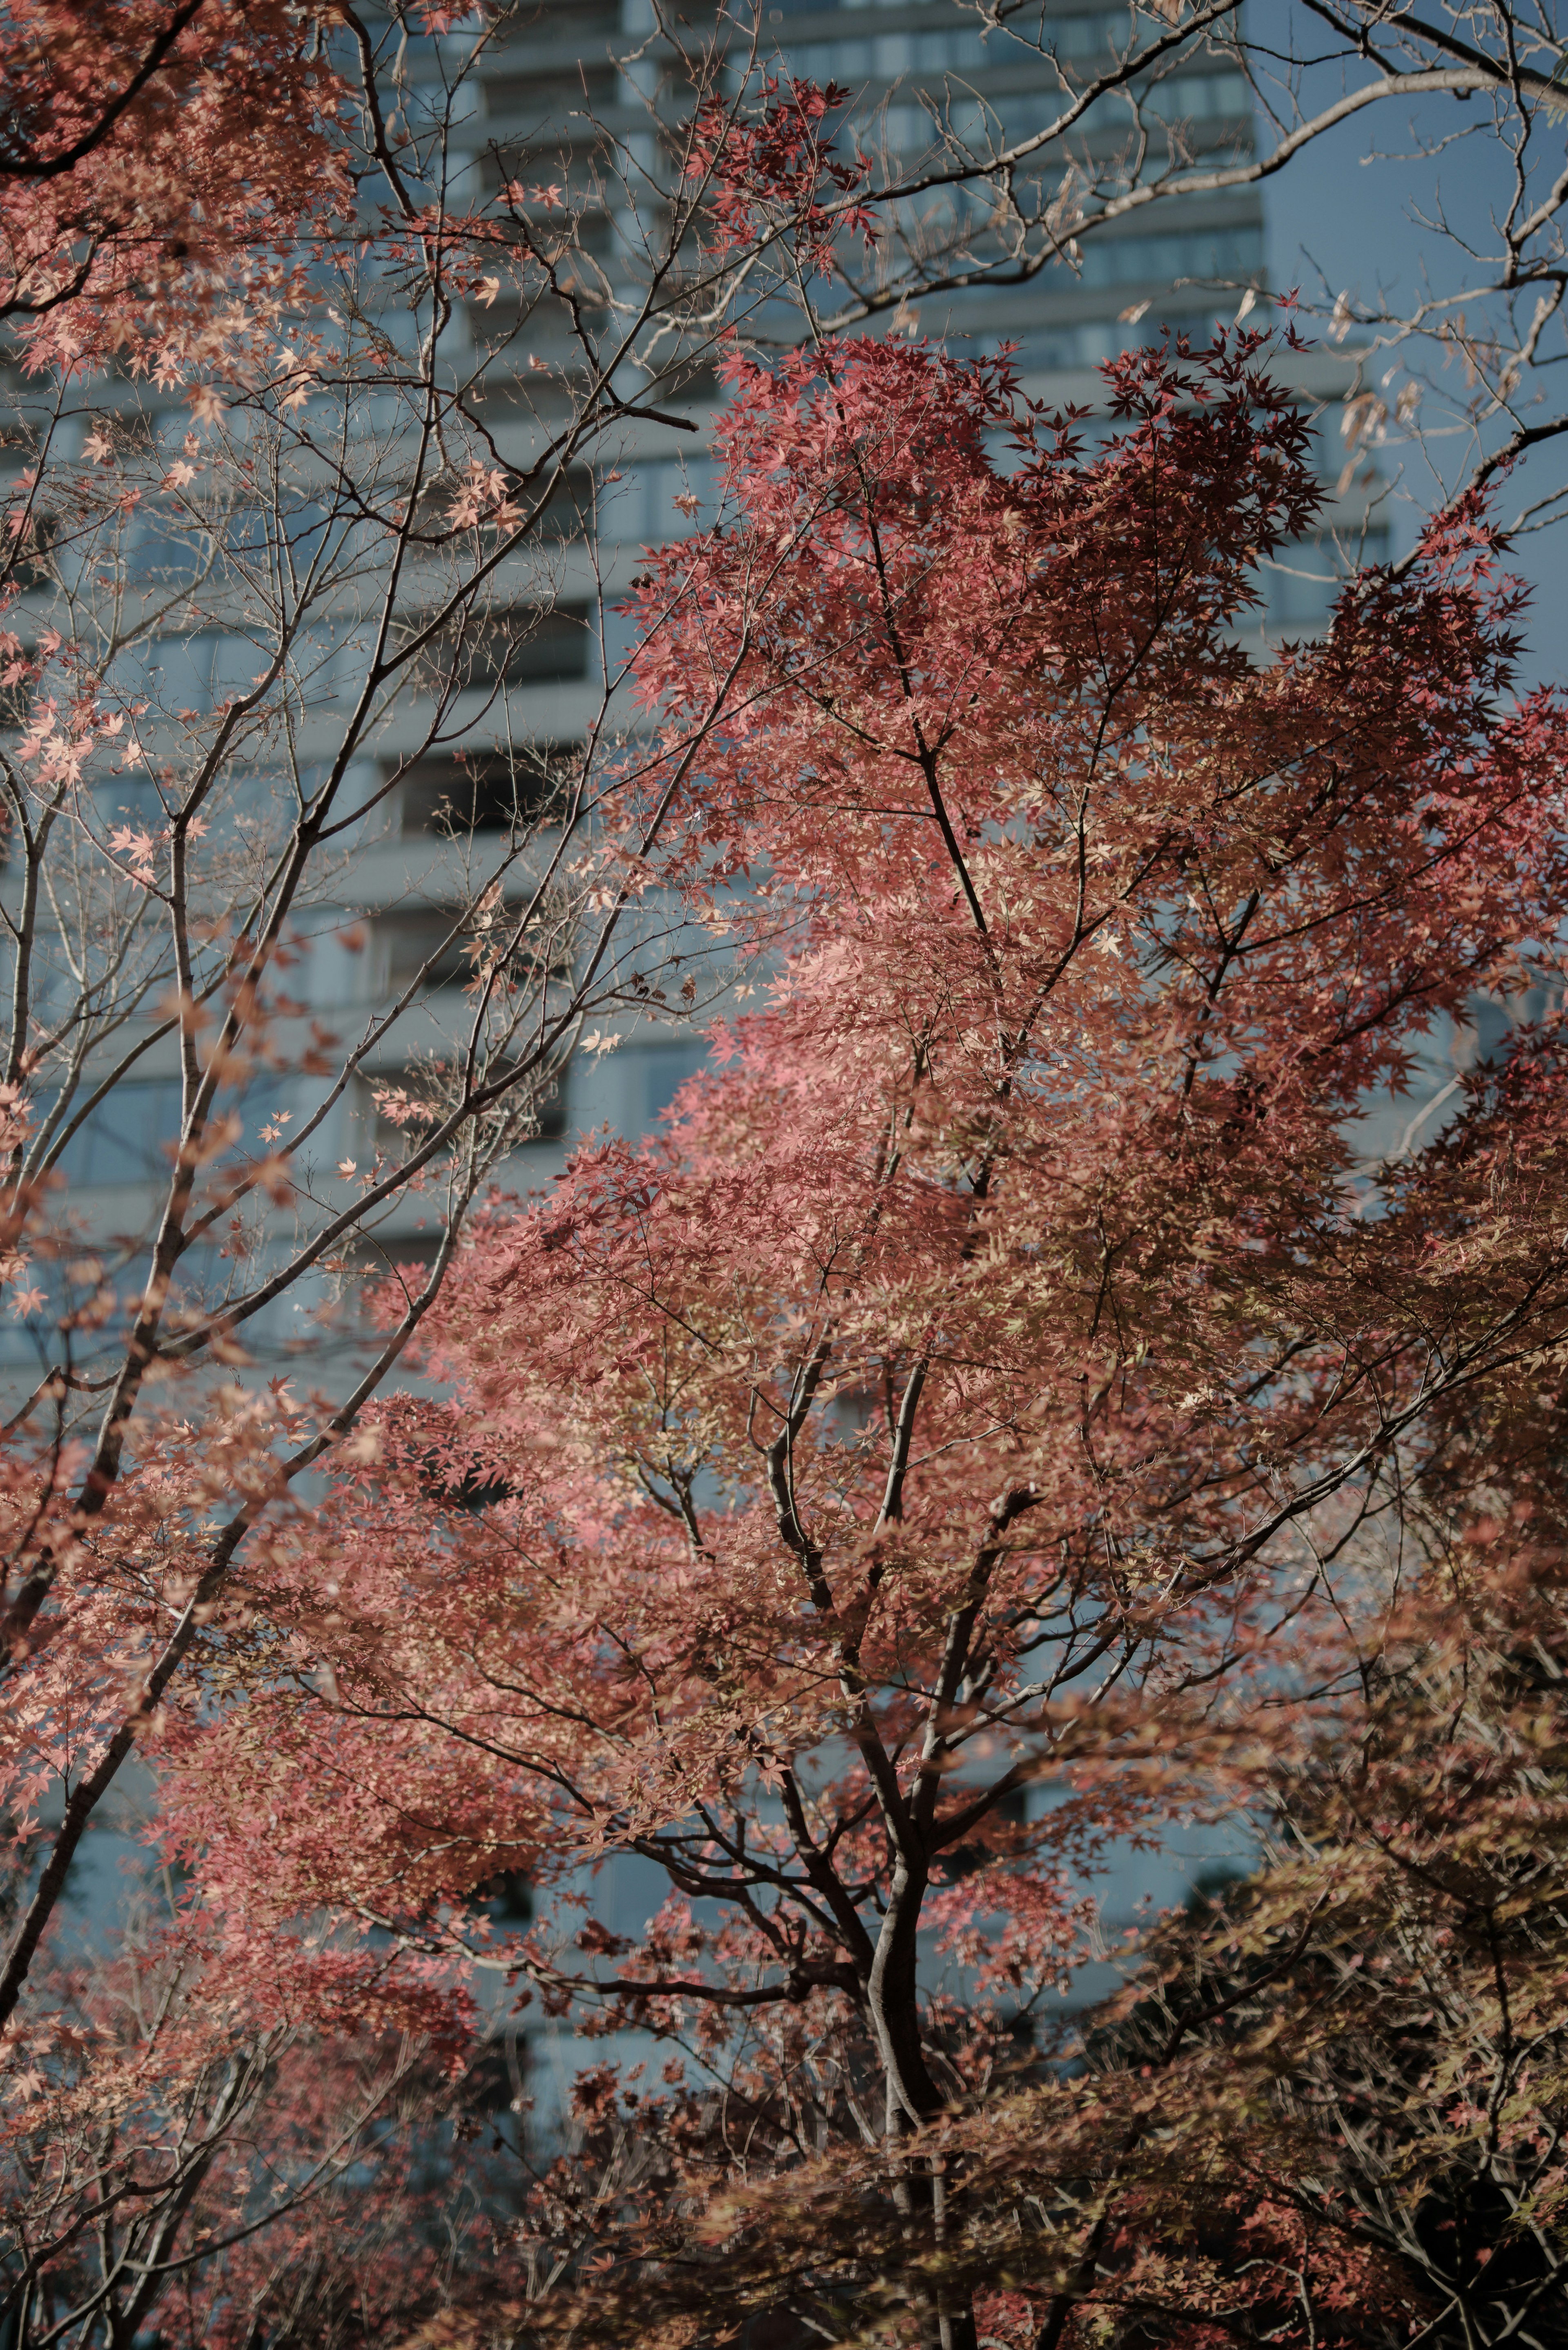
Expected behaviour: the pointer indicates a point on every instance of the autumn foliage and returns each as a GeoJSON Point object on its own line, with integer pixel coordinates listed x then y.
{"type": "Point", "coordinates": [161, 169]}
{"type": "Point", "coordinates": [1009, 1413]}
{"type": "Point", "coordinates": [1032, 1400]}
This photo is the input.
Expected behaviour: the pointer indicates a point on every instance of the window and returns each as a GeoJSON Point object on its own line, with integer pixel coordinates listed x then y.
{"type": "Point", "coordinates": [955, 48]}
{"type": "Point", "coordinates": [435, 939]}
{"type": "Point", "coordinates": [194, 672]}
{"type": "Point", "coordinates": [683, 385]}
{"type": "Point", "coordinates": [128, 430]}
{"type": "Point", "coordinates": [568, 511]}
{"type": "Point", "coordinates": [1199, 97]}
{"type": "Point", "coordinates": [1230, 253]}
{"type": "Point", "coordinates": [1198, 326]}
{"type": "Point", "coordinates": [642, 506]}
{"type": "Point", "coordinates": [123, 1141]}
{"type": "Point", "coordinates": [161, 547]}
{"type": "Point", "coordinates": [565, 515]}
{"type": "Point", "coordinates": [508, 1895]}
{"type": "Point", "coordinates": [550, 1110]}
{"type": "Point", "coordinates": [567, 20]}
{"type": "Point", "coordinates": [486, 791]}
{"type": "Point", "coordinates": [394, 1133]}
{"type": "Point", "coordinates": [546, 96]}
{"type": "Point", "coordinates": [130, 1137]}
{"type": "Point", "coordinates": [1064, 347]}
{"type": "Point", "coordinates": [403, 1108]}
{"type": "Point", "coordinates": [520, 647]}
{"type": "Point", "coordinates": [413, 940]}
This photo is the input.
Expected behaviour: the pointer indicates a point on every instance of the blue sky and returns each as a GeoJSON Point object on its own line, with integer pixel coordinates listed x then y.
{"type": "Point", "coordinates": [1366, 224]}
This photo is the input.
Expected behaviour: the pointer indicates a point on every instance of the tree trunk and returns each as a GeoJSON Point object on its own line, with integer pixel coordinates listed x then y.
{"type": "Point", "coordinates": [926, 2197]}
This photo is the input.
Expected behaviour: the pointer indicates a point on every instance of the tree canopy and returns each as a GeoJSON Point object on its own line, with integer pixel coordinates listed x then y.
{"type": "Point", "coordinates": [1037, 1394]}
{"type": "Point", "coordinates": [1006, 1374]}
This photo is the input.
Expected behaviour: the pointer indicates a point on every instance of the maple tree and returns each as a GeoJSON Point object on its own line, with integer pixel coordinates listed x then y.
{"type": "Point", "coordinates": [140, 214]}
{"type": "Point", "coordinates": [1144, 119]}
{"type": "Point", "coordinates": [245, 457]}
{"type": "Point", "coordinates": [1006, 1411]}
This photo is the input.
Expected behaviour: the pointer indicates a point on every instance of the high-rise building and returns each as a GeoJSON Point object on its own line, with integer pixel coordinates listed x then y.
{"type": "Point", "coordinates": [540, 101]}
{"type": "Point", "coordinates": [567, 75]}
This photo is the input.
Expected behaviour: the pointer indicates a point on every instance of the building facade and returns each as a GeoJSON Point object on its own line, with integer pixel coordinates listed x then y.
{"type": "Point", "coordinates": [569, 72]}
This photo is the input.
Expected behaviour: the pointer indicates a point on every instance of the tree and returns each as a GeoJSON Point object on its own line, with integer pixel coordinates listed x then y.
{"type": "Point", "coordinates": [1010, 1371]}
{"type": "Point", "coordinates": [1453, 346]}
{"type": "Point", "coordinates": [266, 565]}
{"type": "Point", "coordinates": [137, 202]}
{"type": "Point", "coordinates": [1005, 1377]}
